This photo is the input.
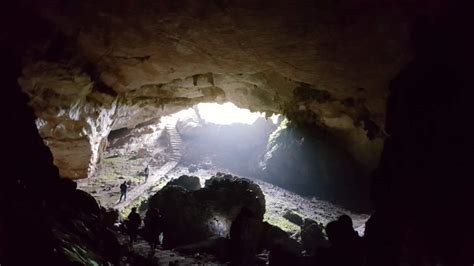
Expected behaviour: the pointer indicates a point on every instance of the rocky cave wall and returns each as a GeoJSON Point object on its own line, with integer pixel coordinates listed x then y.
{"type": "Point", "coordinates": [422, 188]}
{"type": "Point", "coordinates": [424, 175]}
{"type": "Point", "coordinates": [100, 67]}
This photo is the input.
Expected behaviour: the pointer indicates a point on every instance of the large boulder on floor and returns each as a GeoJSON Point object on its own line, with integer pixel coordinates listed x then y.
{"type": "Point", "coordinates": [312, 236]}
{"type": "Point", "coordinates": [245, 235]}
{"type": "Point", "coordinates": [284, 250]}
{"type": "Point", "coordinates": [193, 216]}
{"type": "Point", "coordinates": [231, 193]}
{"type": "Point", "coordinates": [293, 217]}
{"type": "Point", "coordinates": [189, 183]}
{"type": "Point", "coordinates": [184, 218]}
{"type": "Point", "coordinates": [273, 236]}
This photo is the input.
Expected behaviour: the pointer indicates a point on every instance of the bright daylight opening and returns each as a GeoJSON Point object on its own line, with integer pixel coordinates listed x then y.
{"type": "Point", "coordinates": [220, 114]}
{"type": "Point", "coordinates": [226, 114]}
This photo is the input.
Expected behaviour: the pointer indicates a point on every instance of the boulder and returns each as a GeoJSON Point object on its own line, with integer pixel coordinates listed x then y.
{"type": "Point", "coordinates": [293, 217]}
{"type": "Point", "coordinates": [284, 250]}
{"type": "Point", "coordinates": [312, 236]}
{"type": "Point", "coordinates": [189, 183]}
{"type": "Point", "coordinates": [233, 193]}
{"type": "Point", "coordinates": [193, 216]}
{"type": "Point", "coordinates": [273, 236]}
{"type": "Point", "coordinates": [245, 235]}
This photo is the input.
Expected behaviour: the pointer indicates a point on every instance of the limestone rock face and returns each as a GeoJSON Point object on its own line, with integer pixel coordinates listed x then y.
{"type": "Point", "coordinates": [309, 160]}
{"type": "Point", "coordinates": [190, 183]}
{"type": "Point", "coordinates": [193, 216]}
{"type": "Point", "coordinates": [72, 118]}
{"type": "Point", "coordinates": [114, 66]}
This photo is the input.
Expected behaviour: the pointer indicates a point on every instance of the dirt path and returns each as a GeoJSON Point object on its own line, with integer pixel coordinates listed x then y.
{"type": "Point", "coordinates": [156, 175]}
{"type": "Point", "coordinates": [143, 188]}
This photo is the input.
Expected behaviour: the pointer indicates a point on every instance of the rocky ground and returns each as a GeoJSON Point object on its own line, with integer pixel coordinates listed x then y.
{"type": "Point", "coordinates": [130, 151]}
{"type": "Point", "coordinates": [141, 250]}
{"type": "Point", "coordinates": [113, 171]}
{"type": "Point", "coordinates": [128, 154]}
{"type": "Point", "coordinates": [279, 200]}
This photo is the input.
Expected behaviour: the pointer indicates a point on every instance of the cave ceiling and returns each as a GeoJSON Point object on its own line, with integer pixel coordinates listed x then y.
{"type": "Point", "coordinates": [106, 66]}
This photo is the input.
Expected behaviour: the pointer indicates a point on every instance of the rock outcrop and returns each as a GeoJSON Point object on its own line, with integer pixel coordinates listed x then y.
{"type": "Point", "coordinates": [106, 67]}
{"type": "Point", "coordinates": [312, 236]}
{"type": "Point", "coordinates": [193, 216]}
{"type": "Point", "coordinates": [308, 160]}
{"type": "Point", "coordinates": [426, 165]}
{"type": "Point", "coordinates": [190, 183]}
{"type": "Point", "coordinates": [293, 217]}
{"type": "Point", "coordinates": [45, 219]}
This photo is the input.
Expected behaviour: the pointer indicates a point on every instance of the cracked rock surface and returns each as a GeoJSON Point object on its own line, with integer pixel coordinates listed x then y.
{"type": "Point", "coordinates": [106, 67]}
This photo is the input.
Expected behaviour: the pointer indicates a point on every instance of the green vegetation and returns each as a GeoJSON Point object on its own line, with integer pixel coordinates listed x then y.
{"type": "Point", "coordinates": [108, 170]}
{"type": "Point", "coordinates": [138, 203]}
{"type": "Point", "coordinates": [273, 137]}
{"type": "Point", "coordinates": [108, 176]}
{"type": "Point", "coordinates": [77, 254]}
{"type": "Point", "coordinates": [114, 160]}
{"type": "Point", "coordinates": [281, 222]}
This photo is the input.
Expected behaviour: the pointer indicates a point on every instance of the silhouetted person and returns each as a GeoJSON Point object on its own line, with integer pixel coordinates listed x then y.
{"type": "Point", "coordinates": [147, 173]}
{"type": "Point", "coordinates": [345, 222]}
{"type": "Point", "coordinates": [346, 246]}
{"type": "Point", "coordinates": [109, 217]}
{"type": "Point", "coordinates": [153, 228]}
{"type": "Point", "coordinates": [244, 236]}
{"type": "Point", "coordinates": [123, 191]}
{"type": "Point", "coordinates": [133, 223]}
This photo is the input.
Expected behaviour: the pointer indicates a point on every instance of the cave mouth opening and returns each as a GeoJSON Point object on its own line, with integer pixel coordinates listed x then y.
{"type": "Point", "coordinates": [228, 113]}
{"type": "Point", "coordinates": [220, 136]}
{"type": "Point", "coordinates": [292, 168]}
{"type": "Point", "coordinates": [201, 141]}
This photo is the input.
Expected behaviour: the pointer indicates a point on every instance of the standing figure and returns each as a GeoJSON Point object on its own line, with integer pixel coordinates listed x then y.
{"type": "Point", "coordinates": [123, 191]}
{"type": "Point", "coordinates": [153, 228]}
{"type": "Point", "coordinates": [147, 173]}
{"type": "Point", "coordinates": [133, 223]}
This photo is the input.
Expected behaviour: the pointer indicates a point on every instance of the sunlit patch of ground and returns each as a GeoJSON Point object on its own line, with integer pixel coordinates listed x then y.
{"type": "Point", "coordinates": [111, 172]}
{"type": "Point", "coordinates": [105, 188]}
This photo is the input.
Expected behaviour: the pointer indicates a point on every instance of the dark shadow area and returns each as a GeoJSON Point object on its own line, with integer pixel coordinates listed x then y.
{"type": "Point", "coordinates": [421, 191]}
{"type": "Point", "coordinates": [307, 160]}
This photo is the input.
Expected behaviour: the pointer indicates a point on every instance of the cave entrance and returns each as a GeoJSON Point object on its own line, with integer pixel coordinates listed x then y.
{"type": "Point", "coordinates": [200, 141]}
{"type": "Point", "coordinates": [214, 137]}
{"type": "Point", "coordinates": [209, 138]}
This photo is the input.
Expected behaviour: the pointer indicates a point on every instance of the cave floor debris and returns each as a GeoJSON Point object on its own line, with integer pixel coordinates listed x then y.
{"type": "Point", "coordinates": [279, 200]}
{"type": "Point", "coordinates": [165, 257]}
